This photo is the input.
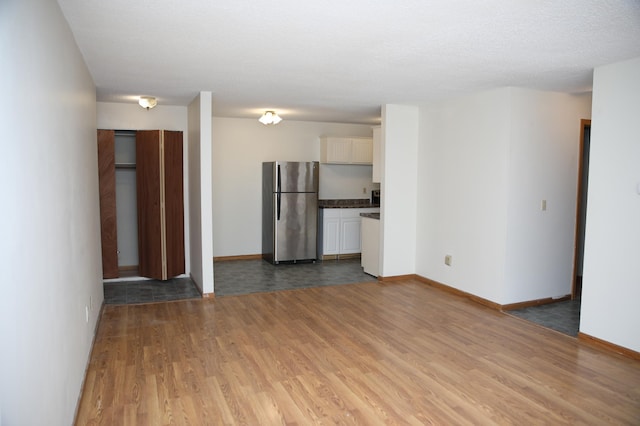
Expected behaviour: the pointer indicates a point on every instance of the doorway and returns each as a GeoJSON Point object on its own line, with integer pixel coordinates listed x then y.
{"type": "Point", "coordinates": [581, 209]}
{"type": "Point", "coordinates": [565, 316]}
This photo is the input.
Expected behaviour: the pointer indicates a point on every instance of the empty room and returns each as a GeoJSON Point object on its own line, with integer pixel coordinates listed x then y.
{"type": "Point", "coordinates": [335, 213]}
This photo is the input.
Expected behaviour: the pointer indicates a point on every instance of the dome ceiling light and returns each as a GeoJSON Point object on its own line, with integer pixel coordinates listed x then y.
{"type": "Point", "coordinates": [147, 102]}
{"type": "Point", "coordinates": [269, 117]}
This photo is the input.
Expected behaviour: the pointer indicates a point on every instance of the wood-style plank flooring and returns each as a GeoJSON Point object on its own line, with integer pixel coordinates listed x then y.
{"type": "Point", "coordinates": [370, 353]}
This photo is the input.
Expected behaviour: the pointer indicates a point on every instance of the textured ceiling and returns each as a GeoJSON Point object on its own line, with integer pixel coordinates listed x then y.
{"type": "Point", "coordinates": [341, 60]}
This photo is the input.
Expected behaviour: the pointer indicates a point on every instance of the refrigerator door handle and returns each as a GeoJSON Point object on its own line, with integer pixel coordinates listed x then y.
{"type": "Point", "coordinates": [278, 190]}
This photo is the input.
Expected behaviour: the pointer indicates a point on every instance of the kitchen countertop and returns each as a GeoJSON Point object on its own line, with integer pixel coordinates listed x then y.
{"type": "Point", "coordinates": [357, 203]}
{"type": "Point", "coordinates": [371, 215]}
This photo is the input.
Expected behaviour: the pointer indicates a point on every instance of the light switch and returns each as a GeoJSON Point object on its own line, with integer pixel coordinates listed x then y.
{"type": "Point", "coordinates": [543, 205]}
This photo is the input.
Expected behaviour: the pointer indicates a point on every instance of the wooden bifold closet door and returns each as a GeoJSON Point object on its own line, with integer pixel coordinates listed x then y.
{"type": "Point", "coordinates": [160, 203]}
{"type": "Point", "coordinates": [107, 185]}
{"type": "Point", "coordinates": [160, 208]}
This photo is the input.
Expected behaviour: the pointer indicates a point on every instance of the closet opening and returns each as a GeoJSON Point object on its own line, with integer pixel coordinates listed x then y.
{"type": "Point", "coordinates": [141, 203]}
{"type": "Point", "coordinates": [126, 202]}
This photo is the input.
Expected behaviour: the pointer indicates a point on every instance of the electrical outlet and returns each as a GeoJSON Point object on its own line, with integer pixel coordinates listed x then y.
{"type": "Point", "coordinates": [543, 205]}
{"type": "Point", "coordinates": [91, 303]}
{"type": "Point", "coordinates": [447, 260]}
{"type": "Point", "coordinates": [86, 312]}
{"type": "Point", "coordinates": [364, 190]}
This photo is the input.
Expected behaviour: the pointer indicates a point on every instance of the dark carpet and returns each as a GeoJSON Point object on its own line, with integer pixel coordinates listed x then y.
{"type": "Point", "coordinates": [560, 316]}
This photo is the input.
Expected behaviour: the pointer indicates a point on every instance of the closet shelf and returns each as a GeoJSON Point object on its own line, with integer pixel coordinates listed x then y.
{"type": "Point", "coordinates": [125, 165]}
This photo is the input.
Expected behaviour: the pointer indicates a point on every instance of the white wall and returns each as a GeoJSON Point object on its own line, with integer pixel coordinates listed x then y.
{"type": "Point", "coordinates": [487, 161]}
{"type": "Point", "coordinates": [240, 146]}
{"type": "Point", "coordinates": [119, 116]}
{"type": "Point", "coordinates": [195, 193]}
{"type": "Point", "coordinates": [50, 231]}
{"type": "Point", "coordinates": [462, 192]}
{"type": "Point", "coordinates": [340, 182]}
{"type": "Point", "coordinates": [400, 127]}
{"type": "Point", "coordinates": [543, 165]}
{"type": "Point", "coordinates": [611, 274]}
{"type": "Point", "coordinates": [200, 197]}
{"type": "Point", "coordinates": [130, 116]}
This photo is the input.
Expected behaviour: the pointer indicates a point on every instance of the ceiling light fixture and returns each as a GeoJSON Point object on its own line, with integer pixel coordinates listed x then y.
{"type": "Point", "coordinates": [147, 102]}
{"type": "Point", "coordinates": [269, 117]}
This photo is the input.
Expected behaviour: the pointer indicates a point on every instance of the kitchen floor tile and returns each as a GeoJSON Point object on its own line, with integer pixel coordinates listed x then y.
{"type": "Point", "coordinates": [258, 276]}
{"type": "Point", "coordinates": [240, 277]}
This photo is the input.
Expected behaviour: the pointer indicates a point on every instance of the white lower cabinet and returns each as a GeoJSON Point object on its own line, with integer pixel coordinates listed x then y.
{"type": "Point", "coordinates": [331, 235]}
{"type": "Point", "coordinates": [341, 231]}
{"type": "Point", "coordinates": [350, 235]}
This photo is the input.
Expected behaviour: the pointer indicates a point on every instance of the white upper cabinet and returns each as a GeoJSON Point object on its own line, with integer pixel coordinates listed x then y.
{"type": "Point", "coordinates": [362, 151]}
{"type": "Point", "coordinates": [337, 150]}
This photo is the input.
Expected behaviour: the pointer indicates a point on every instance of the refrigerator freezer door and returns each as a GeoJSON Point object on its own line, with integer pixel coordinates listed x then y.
{"type": "Point", "coordinates": [296, 177]}
{"type": "Point", "coordinates": [295, 231]}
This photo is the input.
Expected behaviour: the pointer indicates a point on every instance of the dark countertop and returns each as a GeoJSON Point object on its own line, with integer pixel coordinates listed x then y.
{"type": "Point", "coordinates": [357, 203]}
{"type": "Point", "coordinates": [371, 215]}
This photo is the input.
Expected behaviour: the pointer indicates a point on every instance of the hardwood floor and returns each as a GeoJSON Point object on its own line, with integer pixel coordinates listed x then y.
{"type": "Point", "coordinates": [370, 353]}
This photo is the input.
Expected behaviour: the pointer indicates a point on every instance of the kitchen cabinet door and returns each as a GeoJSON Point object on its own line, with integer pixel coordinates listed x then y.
{"type": "Point", "coordinates": [335, 150]}
{"type": "Point", "coordinates": [331, 236]}
{"type": "Point", "coordinates": [350, 235]}
{"type": "Point", "coordinates": [362, 151]}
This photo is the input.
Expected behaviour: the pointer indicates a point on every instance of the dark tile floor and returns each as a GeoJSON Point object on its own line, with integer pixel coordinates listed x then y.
{"type": "Point", "coordinates": [560, 316]}
{"type": "Point", "coordinates": [149, 291]}
{"type": "Point", "coordinates": [240, 277]}
{"type": "Point", "coordinates": [258, 276]}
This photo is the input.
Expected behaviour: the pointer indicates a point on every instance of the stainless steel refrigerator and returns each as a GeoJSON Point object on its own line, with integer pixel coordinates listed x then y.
{"type": "Point", "coordinates": [289, 211]}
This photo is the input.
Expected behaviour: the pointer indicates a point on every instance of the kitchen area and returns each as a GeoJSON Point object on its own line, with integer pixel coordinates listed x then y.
{"type": "Point", "coordinates": [297, 226]}
{"type": "Point", "coordinates": [348, 159]}
{"type": "Point", "coordinates": [351, 227]}
{"type": "Point", "coordinates": [340, 221]}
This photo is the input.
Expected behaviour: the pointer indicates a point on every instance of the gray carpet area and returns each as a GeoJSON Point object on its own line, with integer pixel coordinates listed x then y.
{"type": "Point", "coordinates": [560, 316]}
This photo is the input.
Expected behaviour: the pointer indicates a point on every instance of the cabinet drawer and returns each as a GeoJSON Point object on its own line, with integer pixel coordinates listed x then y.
{"type": "Point", "coordinates": [331, 213]}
